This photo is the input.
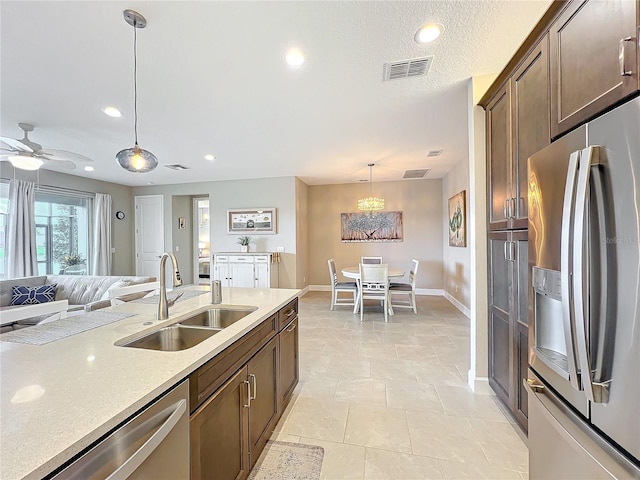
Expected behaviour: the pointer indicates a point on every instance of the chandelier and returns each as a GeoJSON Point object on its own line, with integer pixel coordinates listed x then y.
{"type": "Point", "coordinates": [371, 203]}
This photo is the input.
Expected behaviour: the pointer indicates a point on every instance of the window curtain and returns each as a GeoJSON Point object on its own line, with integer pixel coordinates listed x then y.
{"type": "Point", "coordinates": [21, 241]}
{"type": "Point", "coordinates": [101, 258]}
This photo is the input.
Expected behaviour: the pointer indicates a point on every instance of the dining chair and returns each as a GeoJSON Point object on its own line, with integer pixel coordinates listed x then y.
{"type": "Point", "coordinates": [408, 289]}
{"type": "Point", "coordinates": [371, 260]}
{"type": "Point", "coordinates": [374, 285]}
{"type": "Point", "coordinates": [337, 287]}
{"type": "Point", "coordinates": [128, 293]}
{"type": "Point", "coordinates": [35, 314]}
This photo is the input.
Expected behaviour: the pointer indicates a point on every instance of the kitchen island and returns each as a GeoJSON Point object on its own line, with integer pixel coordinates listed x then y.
{"type": "Point", "coordinates": [57, 399]}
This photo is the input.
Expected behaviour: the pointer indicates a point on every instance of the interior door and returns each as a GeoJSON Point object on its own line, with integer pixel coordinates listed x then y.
{"type": "Point", "coordinates": [149, 236]}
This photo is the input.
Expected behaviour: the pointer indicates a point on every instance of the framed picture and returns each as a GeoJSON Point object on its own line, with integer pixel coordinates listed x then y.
{"type": "Point", "coordinates": [182, 223]}
{"type": "Point", "coordinates": [458, 220]}
{"type": "Point", "coordinates": [371, 227]}
{"type": "Point", "coordinates": [252, 220]}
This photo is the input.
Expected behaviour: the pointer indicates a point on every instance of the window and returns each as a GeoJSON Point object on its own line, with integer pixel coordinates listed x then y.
{"type": "Point", "coordinates": [62, 233]}
{"type": "Point", "coordinates": [4, 218]}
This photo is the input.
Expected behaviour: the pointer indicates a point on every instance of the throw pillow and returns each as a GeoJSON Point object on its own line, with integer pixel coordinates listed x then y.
{"type": "Point", "coordinates": [116, 284]}
{"type": "Point", "coordinates": [22, 295]}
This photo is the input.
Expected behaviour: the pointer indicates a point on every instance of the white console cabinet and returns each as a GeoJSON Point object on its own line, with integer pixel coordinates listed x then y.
{"type": "Point", "coordinates": [254, 270]}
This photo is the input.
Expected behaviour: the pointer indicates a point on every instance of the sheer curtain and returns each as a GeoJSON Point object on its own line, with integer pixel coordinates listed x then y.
{"type": "Point", "coordinates": [21, 241]}
{"type": "Point", "coordinates": [101, 258]}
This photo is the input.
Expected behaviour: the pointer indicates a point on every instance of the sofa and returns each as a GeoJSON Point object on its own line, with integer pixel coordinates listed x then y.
{"type": "Point", "coordinates": [85, 293]}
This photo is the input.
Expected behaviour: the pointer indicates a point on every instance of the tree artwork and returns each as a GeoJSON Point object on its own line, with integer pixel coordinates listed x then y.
{"type": "Point", "coordinates": [372, 227]}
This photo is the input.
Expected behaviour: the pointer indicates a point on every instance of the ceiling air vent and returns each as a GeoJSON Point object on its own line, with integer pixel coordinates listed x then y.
{"type": "Point", "coordinates": [434, 153]}
{"type": "Point", "coordinates": [416, 173]}
{"type": "Point", "coordinates": [415, 67]}
{"type": "Point", "coordinates": [177, 166]}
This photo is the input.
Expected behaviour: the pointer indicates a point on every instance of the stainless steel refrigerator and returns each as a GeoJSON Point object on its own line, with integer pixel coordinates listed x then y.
{"type": "Point", "coordinates": [584, 307]}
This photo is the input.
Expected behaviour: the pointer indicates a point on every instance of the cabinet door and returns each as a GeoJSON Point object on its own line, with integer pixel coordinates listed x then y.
{"type": "Point", "coordinates": [241, 275]}
{"type": "Point", "coordinates": [263, 413]}
{"type": "Point", "coordinates": [288, 362]}
{"type": "Point", "coordinates": [499, 158]}
{"type": "Point", "coordinates": [221, 272]}
{"type": "Point", "coordinates": [530, 120]}
{"type": "Point", "coordinates": [520, 321]}
{"type": "Point", "coordinates": [219, 432]}
{"type": "Point", "coordinates": [500, 326]}
{"type": "Point", "coordinates": [262, 275]}
{"type": "Point", "coordinates": [591, 43]}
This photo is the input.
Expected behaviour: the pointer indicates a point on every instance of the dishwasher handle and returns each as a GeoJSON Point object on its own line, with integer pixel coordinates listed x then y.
{"type": "Point", "coordinates": [139, 456]}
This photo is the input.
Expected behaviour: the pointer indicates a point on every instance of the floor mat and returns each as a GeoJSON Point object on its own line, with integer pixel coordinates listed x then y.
{"type": "Point", "coordinates": [288, 461]}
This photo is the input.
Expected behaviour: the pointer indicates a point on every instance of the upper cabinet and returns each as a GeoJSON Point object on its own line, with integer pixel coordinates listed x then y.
{"type": "Point", "coordinates": [517, 127]}
{"type": "Point", "coordinates": [594, 59]}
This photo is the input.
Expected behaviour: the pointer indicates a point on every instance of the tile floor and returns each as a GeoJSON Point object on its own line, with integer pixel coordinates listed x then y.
{"type": "Point", "coordinates": [390, 401]}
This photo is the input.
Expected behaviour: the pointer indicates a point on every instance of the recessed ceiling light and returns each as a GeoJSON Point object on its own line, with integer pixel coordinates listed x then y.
{"type": "Point", "coordinates": [295, 57]}
{"type": "Point", "coordinates": [209, 157]}
{"type": "Point", "coordinates": [89, 168]}
{"type": "Point", "coordinates": [112, 112]}
{"type": "Point", "coordinates": [428, 33]}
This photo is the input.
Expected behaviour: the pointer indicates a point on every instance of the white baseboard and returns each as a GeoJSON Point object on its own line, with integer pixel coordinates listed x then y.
{"type": "Point", "coordinates": [430, 291]}
{"type": "Point", "coordinates": [458, 305]}
{"type": "Point", "coordinates": [479, 385]}
{"type": "Point", "coordinates": [304, 291]}
{"type": "Point", "coordinates": [319, 288]}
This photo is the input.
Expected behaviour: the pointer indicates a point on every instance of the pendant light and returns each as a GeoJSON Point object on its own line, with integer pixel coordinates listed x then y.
{"type": "Point", "coordinates": [136, 159]}
{"type": "Point", "coordinates": [371, 203]}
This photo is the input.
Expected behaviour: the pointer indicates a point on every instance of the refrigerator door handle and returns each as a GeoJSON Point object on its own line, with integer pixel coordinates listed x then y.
{"type": "Point", "coordinates": [566, 267]}
{"type": "Point", "coordinates": [596, 392]}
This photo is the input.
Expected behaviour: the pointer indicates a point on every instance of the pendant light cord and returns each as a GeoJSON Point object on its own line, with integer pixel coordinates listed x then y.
{"type": "Point", "coordinates": [135, 82]}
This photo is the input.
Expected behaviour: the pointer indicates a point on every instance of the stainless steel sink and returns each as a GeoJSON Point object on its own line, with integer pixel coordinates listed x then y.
{"type": "Point", "coordinates": [173, 338]}
{"type": "Point", "coordinates": [218, 317]}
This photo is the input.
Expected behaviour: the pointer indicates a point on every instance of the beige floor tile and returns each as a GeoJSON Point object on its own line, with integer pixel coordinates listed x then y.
{"type": "Point", "coordinates": [338, 347]}
{"type": "Point", "coordinates": [475, 471]}
{"type": "Point", "coordinates": [501, 444]}
{"type": "Point", "coordinates": [284, 437]}
{"type": "Point", "coordinates": [458, 330]}
{"type": "Point", "coordinates": [524, 475]}
{"type": "Point", "coordinates": [444, 437]}
{"type": "Point", "coordinates": [383, 464]}
{"type": "Point", "coordinates": [416, 353]}
{"type": "Point", "coordinates": [438, 374]}
{"type": "Point", "coordinates": [329, 335]}
{"type": "Point", "coordinates": [363, 391]}
{"type": "Point", "coordinates": [318, 385]}
{"type": "Point", "coordinates": [314, 361]}
{"type": "Point", "coordinates": [462, 402]}
{"type": "Point", "coordinates": [367, 336]}
{"type": "Point", "coordinates": [378, 351]}
{"type": "Point", "coordinates": [377, 427]}
{"type": "Point", "coordinates": [349, 366]}
{"type": "Point", "coordinates": [411, 395]}
{"type": "Point", "coordinates": [392, 369]}
{"type": "Point", "coordinates": [391, 326]}
{"type": "Point", "coordinates": [317, 418]}
{"type": "Point", "coordinates": [421, 327]}
{"type": "Point", "coordinates": [340, 461]}
{"type": "Point", "coordinates": [441, 342]}
{"type": "Point", "coordinates": [394, 338]}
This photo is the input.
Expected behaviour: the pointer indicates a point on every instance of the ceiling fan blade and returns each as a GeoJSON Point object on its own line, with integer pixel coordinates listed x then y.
{"type": "Point", "coordinates": [64, 155]}
{"type": "Point", "coordinates": [16, 144]}
{"type": "Point", "coordinates": [68, 164]}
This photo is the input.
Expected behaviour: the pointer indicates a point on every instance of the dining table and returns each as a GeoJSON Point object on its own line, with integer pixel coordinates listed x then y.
{"type": "Point", "coordinates": [354, 273]}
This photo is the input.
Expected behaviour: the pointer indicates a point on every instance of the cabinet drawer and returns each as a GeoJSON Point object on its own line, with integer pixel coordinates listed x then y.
{"type": "Point", "coordinates": [262, 258]}
{"type": "Point", "coordinates": [208, 378]}
{"type": "Point", "coordinates": [288, 313]}
{"type": "Point", "coordinates": [220, 258]}
{"type": "Point", "coordinates": [241, 258]}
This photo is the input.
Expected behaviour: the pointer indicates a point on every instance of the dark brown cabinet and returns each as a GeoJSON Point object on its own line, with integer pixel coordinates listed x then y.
{"type": "Point", "coordinates": [289, 373]}
{"type": "Point", "coordinates": [219, 432]}
{"type": "Point", "coordinates": [499, 158]}
{"type": "Point", "coordinates": [508, 318]}
{"type": "Point", "coordinates": [263, 409]}
{"type": "Point", "coordinates": [594, 60]}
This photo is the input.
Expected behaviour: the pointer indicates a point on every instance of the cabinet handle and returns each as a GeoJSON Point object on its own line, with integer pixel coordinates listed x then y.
{"type": "Point", "coordinates": [255, 387]}
{"type": "Point", "coordinates": [512, 208]}
{"type": "Point", "coordinates": [504, 208]}
{"type": "Point", "coordinates": [291, 328]}
{"type": "Point", "coordinates": [248, 404]}
{"type": "Point", "coordinates": [512, 251]}
{"type": "Point", "coordinates": [290, 312]}
{"type": "Point", "coordinates": [506, 255]}
{"type": "Point", "coordinates": [622, 53]}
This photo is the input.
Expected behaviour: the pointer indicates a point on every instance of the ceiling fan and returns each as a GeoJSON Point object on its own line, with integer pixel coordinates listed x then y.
{"type": "Point", "coordinates": [28, 155]}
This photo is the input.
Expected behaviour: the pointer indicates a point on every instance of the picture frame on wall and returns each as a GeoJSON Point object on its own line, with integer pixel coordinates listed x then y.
{"type": "Point", "coordinates": [259, 221]}
{"type": "Point", "coordinates": [458, 220]}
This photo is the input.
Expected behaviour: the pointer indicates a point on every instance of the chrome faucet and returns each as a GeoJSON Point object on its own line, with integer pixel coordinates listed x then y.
{"type": "Point", "coordinates": [164, 304]}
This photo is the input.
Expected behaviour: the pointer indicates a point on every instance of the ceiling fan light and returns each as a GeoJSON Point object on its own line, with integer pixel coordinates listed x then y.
{"type": "Point", "coordinates": [136, 160]}
{"type": "Point", "coordinates": [25, 162]}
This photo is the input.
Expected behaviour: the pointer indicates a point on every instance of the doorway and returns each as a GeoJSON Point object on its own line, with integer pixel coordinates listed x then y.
{"type": "Point", "coordinates": [149, 236]}
{"type": "Point", "coordinates": [202, 243]}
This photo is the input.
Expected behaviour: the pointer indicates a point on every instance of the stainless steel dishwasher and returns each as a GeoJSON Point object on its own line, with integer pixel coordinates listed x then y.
{"type": "Point", "coordinates": [153, 444]}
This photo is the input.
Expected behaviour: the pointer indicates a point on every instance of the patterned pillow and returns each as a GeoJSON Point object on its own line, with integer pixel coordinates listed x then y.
{"type": "Point", "coordinates": [33, 295]}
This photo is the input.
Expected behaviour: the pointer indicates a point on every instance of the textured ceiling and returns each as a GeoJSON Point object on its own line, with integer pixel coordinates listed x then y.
{"type": "Point", "coordinates": [212, 79]}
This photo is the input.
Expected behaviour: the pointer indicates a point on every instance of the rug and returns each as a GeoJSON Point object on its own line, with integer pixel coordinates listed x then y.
{"type": "Point", "coordinates": [288, 461]}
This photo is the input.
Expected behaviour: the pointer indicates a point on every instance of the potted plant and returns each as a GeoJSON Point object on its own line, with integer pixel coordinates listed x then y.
{"type": "Point", "coordinates": [244, 242]}
{"type": "Point", "coordinates": [73, 264]}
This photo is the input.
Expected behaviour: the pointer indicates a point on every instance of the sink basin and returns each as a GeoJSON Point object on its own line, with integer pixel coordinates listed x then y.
{"type": "Point", "coordinates": [173, 338]}
{"type": "Point", "coordinates": [218, 317]}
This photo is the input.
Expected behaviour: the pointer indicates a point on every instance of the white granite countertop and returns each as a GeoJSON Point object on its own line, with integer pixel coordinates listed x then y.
{"type": "Point", "coordinates": [58, 398]}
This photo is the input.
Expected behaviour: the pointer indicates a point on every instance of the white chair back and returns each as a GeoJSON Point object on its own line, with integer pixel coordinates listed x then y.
{"type": "Point", "coordinates": [371, 260]}
{"type": "Point", "coordinates": [337, 287]}
{"type": "Point", "coordinates": [54, 311]}
{"type": "Point", "coordinates": [413, 272]}
{"type": "Point", "coordinates": [332, 271]}
{"type": "Point", "coordinates": [374, 285]}
{"type": "Point", "coordinates": [118, 296]}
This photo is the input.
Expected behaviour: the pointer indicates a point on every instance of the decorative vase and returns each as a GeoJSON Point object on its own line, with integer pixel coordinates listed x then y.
{"type": "Point", "coordinates": [244, 248]}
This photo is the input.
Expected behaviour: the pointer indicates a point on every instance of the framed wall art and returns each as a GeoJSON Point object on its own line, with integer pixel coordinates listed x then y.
{"type": "Point", "coordinates": [252, 220]}
{"type": "Point", "coordinates": [458, 220]}
{"type": "Point", "coordinates": [371, 227]}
